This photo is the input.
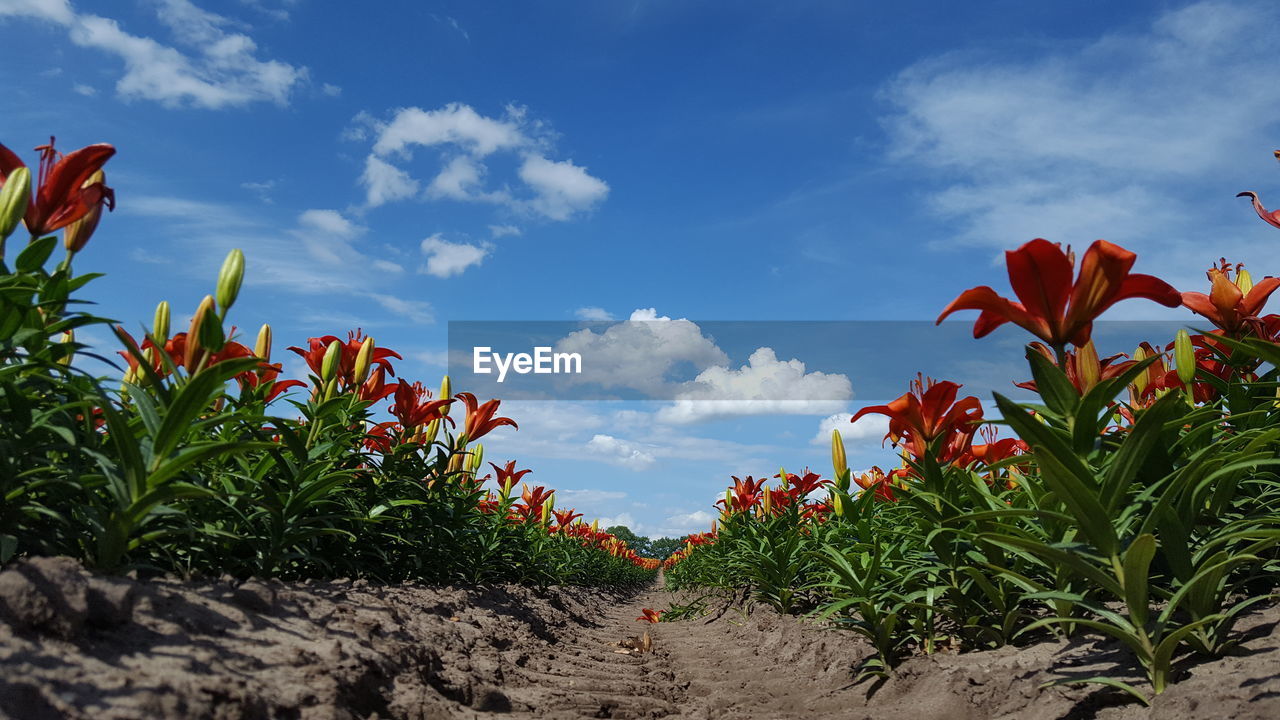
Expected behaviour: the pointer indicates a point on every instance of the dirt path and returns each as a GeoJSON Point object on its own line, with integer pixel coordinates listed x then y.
{"type": "Point", "coordinates": [73, 645]}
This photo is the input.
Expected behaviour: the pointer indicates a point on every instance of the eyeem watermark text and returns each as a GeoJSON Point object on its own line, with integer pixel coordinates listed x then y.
{"type": "Point", "coordinates": [541, 362]}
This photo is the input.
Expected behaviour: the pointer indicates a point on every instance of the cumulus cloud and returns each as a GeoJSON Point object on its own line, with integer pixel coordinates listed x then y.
{"type": "Point", "coordinates": [1135, 136]}
{"type": "Point", "coordinates": [765, 385]}
{"type": "Point", "coordinates": [218, 67]}
{"type": "Point", "coordinates": [446, 259]}
{"type": "Point", "coordinates": [683, 524]}
{"type": "Point", "coordinates": [465, 140]}
{"type": "Point", "coordinates": [561, 188]}
{"type": "Point", "coordinates": [641, 352]}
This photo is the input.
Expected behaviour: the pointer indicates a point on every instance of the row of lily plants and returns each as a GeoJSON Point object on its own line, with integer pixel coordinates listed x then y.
{"type": "Point", "coordinates": [197, 457]}
{"type": "Point", "coordinates": [1136, 497]}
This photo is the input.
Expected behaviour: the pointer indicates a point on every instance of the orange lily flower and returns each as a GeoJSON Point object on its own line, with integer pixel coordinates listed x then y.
{"type": "Point", "coordinates": [1227, 305]}
{"type": "Point", "coordinates": [1053, 307]}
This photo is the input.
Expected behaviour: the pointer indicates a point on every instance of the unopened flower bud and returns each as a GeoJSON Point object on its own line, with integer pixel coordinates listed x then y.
{"type": "Point", "coordinates": [548, 506]}
{"type": "Point", "coordinates": [1088, 368]}
{"type": "Point", "coordinates": [1184, 356]}
{"type": "Point", "coordinates": [446, 392]}
{"type": "Point", "coordinates": [477, 457]}
{"type": "Point", "coordinates": [68, 338]}
{"type": "Point", "coordinates": [195, 333]}
{"type": "Point", "coordinates": [839, 462]}
{"type": "Point", "coordinates": [363, 357]}
{"type": "Point", "coordinates": [329, 365]}
{"type": "Point", "coordinates": [77, 234]}
{"type": "Point", "coordinates": [262, 348]}
{"type": "Point", "coordinates": [1244, 281]}
{"type": "Point", "coordinates": [433, 429]}
{"type": "Point", "coordinates": [837, 504]}
{"type": "Point", "coordinates": [766, 505]}
{"type": "Point", "coordinates": [1140, 383]}
{"type": "Point", "coordinates": [160, 326]}
{"type": "Point", "coordinates": [229, 279]}
{"type": "Point", "coordinates": [595, 525]}
{"type": "Point", "coordinates": [728, 501]}
{"type": "Point", "coordinates": [14, 195]}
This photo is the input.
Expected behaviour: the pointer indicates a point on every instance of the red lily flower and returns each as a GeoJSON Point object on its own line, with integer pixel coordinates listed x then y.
{"type": "Point", "coordinates": [530, 508]}
{"type": "Point", "coordinates": [565, 518]}
{"type": "Point", "coordinates": [929, 410]}
{"type": "Point", "coordinates": [994, 449]}
{"type": "Point", "coordinates": [381, 437]}
{"type": "Point", "coordinates": [1271, 217]}
{"type": "Point", "coordinates": [798, 487]}
{"type": "Point", "coordinates": [61, 196]}
{"type": "Point", "coordinates": [375, 387]}
{"type": "Point", "coordinates": [650, 615]}
{"type": "Point", "coordinates": [480, 418]}
{"type": "Point", "coordinates": [1052, 307]}
{"type": "Point", "coordinates": [878, 482]}
{"type": "Point", "coordinates": [266, 377]}
{"type": "Point", "coordinates": [317, 346]}
{"type": "Point", "coordinates": [1226, 305]}
{"type": "Point", "coordinates": [508, 476]}
{"type": "Point", "coordinates": [746, 494]}
{"type": "Point", "coordinates": [413, 406]}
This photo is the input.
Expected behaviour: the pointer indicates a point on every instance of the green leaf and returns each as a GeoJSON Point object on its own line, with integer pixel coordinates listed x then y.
{"type": "Point", "coordinates": [35, 254]}
{"type": "Point", "coordinates": [1137, 564]}
{"type": "Point", "coordinates": [1053, 385]}
{"type": "Point", "coordinates": [1064, 473]}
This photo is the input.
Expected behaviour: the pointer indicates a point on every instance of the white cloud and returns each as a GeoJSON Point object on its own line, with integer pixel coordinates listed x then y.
{"type": "Point", "coordinates": [640, 352]}
{"type": "Point", "coordinates": [620, 452]}
{"type": "Point", "coordinates": [868, 427]}
{"type": "Point", "coordinates": [552, 189]}
{"type": "Point", "coordinates": [445, 259]}
{"type": "Point", "coordinates": [594, 314]}
{"type": "Point", "coordinates": [765, 385]}
{"type": "Point", "coordinates": [385, 182]}
{"type": "Point", "coordinates": [453, 124]}
{"type": "Point", "coordinates": [562, 188]}
{"type": "Point", "coordinates": [331, 90]}
{"type": "Point", "coordinates": [315, 257]}
{"type": "Point", "coordinates": [685, 523]}
{"type": "Point", "coordinates": [1131, 136]}
{"type": "Point", "coordinates": [85, 90]}
{"type": "Point", "coordinates": [504, 231]}
{"type": "Point", "coordinates": [625, 519]}
{"type": "Point", "coordinates": [221, 68]}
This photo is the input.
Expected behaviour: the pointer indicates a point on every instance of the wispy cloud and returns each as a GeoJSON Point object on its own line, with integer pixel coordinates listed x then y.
{"type": "Point", "coordinates": [218, 66]}
{"type": "Point", "coordinates": [1138, 137]}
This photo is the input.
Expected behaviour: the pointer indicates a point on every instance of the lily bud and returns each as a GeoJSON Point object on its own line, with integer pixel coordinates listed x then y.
{"type": "Point", "coordinates": [77, 234]}
{"type": "Point", "coordinates": [1088, 368]}
{"type": "Point", "coordinates": [548, 506]}
{"type": "Point", "coordinates": [262, 348]}
{"type": "Point", "coordinates": [839, 462]}
{"type": "Point", "coordinates": [1184, 356]}
{"type": "Point", "coordinates": [361, 370]}
{"type": "Point", "coordinates": [766, 505]}
{"type": "Point", "coordinates": [14, 196]}
{"type": "Point", "coordinates": [433, 429]}
{"type": "Point", "coordinates": [1244, 281]}
{"type": "Point", "coordinates": [229, 279]}
{"type": "Point", "coordinates": [595, 525]}
{"type": "Point", "coordinates": [68, 338]}
{"type": "Point", "coordinates": [1141, 382]}
{"type": "Point", "coordinates": [329, 365]}
{"type": "Point", "coordinates": [446, 392]}
{"type": "Point", "coordinates": [728, 501]}
{"type": "Point", "coordinates": [782, 473]}
{"type": "Point", "coordinates": [837, 504]}
{"type": "Point", "coordinates": [160, 326]}
{"type": "Point", "coordinates": [195, 333]}
{"type": "Point", "coordinates": [477, 457]}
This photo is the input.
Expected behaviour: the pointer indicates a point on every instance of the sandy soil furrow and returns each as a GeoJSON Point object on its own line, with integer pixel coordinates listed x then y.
{"type": "Point", "coordinates": [73, 645]}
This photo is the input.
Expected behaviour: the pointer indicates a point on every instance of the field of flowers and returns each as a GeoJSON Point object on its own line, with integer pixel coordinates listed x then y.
{"type": "Point", "coordinates": [196, 458]}
{"type": "Point", "coordinates": [1138, 498]}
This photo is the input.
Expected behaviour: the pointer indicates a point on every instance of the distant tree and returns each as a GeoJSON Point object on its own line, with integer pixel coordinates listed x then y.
{"type": "Point", "coordinates": [662, 547]}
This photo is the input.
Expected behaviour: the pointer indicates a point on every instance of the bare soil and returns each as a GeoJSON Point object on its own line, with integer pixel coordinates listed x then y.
{"type": "Point", "coordinates": [76, 645]}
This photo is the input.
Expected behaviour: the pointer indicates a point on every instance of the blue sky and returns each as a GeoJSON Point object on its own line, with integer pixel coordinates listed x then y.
{"type": "Point", "coordinates": [401, 167]}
